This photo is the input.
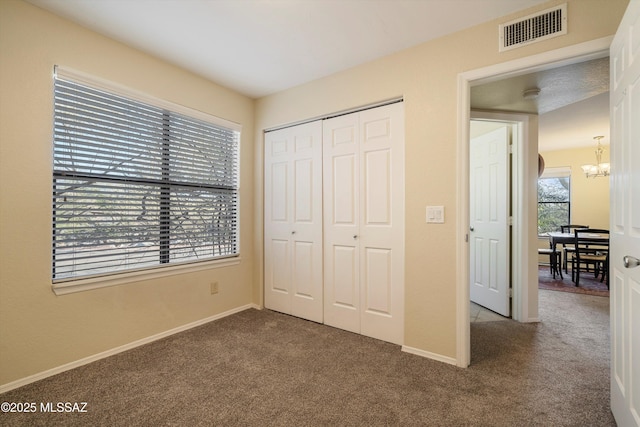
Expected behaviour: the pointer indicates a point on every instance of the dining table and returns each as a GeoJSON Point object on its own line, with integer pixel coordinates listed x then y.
{"type": "Point", "coordinates": [558, 238]}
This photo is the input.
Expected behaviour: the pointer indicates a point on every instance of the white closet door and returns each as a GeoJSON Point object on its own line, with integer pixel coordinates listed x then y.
{"type": "Point", "coordinates": [364, 222]}
{"type": "Point", "coordinates": [342, 222]}
{"type": "Point", "coordinates": [293, 221]}
{"type": "Point", "coordinates": [382, 222]}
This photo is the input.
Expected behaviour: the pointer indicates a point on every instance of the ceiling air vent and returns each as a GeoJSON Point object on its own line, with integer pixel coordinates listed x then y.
{"type": "Point", "coordinates": [533, 28]}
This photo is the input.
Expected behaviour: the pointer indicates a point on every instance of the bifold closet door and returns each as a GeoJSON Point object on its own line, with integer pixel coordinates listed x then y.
{"type": "Point", "coordinates": [293, 221]}
{"type": "Point", "coordinates": [363, 187]}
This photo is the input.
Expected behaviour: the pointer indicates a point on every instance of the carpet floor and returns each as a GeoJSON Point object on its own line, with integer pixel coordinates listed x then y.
{"type": "Point", "coordinates": [265, 368]}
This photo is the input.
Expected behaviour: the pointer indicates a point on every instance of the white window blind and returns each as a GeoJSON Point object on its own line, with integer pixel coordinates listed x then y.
{"type": "Point", "coordinates": [137, 185]}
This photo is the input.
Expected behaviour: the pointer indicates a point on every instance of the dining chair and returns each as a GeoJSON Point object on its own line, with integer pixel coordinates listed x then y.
{"type": "Point", "coordinates": [591, 249]}
{"type": "Point", "coordinates": [555, 260]}
{"type": "Point", "coordinates": [569, 249]}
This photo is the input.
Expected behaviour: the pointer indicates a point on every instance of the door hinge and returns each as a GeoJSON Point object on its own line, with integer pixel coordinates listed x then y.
{"type": "Point", "coordinates": [510, 221]}
{"type": "Point", "coordinates": [510, 292]}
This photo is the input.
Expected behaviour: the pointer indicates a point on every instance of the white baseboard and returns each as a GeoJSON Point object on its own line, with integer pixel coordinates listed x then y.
{"type": "Point", "coordinates": [67, 366]}
{"type": "Point", "coordinates": [429, 355]}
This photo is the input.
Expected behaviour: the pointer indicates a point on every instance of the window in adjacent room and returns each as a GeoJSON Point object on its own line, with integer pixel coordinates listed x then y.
{"type": "Point", "coordinates": [554, 199]}
{"type": "Point", "coordinates": [138, 184]}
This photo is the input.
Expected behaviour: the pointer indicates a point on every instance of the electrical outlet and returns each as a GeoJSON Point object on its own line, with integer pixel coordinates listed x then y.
{"type": "Point", "coordinates": [214, 288]}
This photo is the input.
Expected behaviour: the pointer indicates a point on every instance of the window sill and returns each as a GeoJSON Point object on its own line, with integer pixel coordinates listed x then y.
{"type": "Point", "coordinates": [80, 285]}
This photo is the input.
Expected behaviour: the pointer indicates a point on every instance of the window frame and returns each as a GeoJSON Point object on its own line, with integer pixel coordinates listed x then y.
{"type": "Point", "coordinates": [555, 172]}
{"type": "Point", "coordinates": [74, 284]}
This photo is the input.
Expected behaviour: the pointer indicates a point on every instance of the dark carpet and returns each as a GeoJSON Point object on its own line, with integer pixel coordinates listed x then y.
{"type": "Point", "coordinates": [264, 368]}
{"type": "Point", "coordinates": [589, 285]}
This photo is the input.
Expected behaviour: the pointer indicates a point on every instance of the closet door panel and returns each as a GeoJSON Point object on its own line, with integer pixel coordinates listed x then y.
{"type": "Point", "coordinates": [342, 306]}
{"type": "Point", "coordinates": [304, 192]}
{"type": "Point", "coordinates": [277, 270]}
{"type": "Point", "coordinates": [302, 269]}
{"type": "Point", "coordinates": [382, 222]}
{"type": "Point", "coordinates": [279, 184]}
{"type": "Point", "coordinates": [293, 214]}
{"type": "Point", "coordinates": [363, 158]}
{"type": "Point", "coordinates": [306, 231]}
{"type": "Point", "coordinates": [344, 191]}
{"type": "Point", "coordinates": [346, 288]}
{"type": "Point", "coordinates": [341, 177]}
{"type": "Point", "coordinates": [278, 275]}
{"type": "Point", "coordinates": [377, 188]}
{"type": "Point", "coordinates": [377, 281]}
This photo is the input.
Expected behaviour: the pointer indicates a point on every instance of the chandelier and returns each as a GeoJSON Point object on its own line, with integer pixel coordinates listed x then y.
{"type": "Point", "coordinates": [599, 169]}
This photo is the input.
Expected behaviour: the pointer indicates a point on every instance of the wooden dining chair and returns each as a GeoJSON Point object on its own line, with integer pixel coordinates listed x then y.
{"type": "Point", "coordinates": [555, 260]}
{"type": "Point", "coordinates": [591, 250]}
{"type": "Point", "coordinates": [569, 249]}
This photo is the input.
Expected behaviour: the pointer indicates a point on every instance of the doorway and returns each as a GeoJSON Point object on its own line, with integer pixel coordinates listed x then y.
{"type": "Point", "coordinates": [525, 221]}
{"type": "Point", "coordinates": [523, 132]}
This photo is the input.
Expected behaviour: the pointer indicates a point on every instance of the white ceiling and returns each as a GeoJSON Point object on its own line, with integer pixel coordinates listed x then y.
{"type": "Point", "coordinates": [258, 47]}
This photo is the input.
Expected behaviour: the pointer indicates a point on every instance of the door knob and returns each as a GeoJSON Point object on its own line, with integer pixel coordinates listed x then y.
{"type": "Point", "coordinates": [355, 236]}
{"type": "Point", "coordinates": [471, 228]}
{"type": "Point", "coordinates": [293, 232]}
{"type": "Point", "coordinates": [630, 262]}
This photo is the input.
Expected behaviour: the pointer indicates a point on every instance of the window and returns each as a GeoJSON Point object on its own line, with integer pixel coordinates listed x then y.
{"type": "Point", "coordinates": [138, 184]}
{"type": "Point", "coordinates": [554, 199]}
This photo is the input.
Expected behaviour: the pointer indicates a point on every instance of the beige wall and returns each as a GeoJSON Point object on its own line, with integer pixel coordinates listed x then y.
{"type": "Point", "coordinates": [589, 196]}
{"type": "Point", "coordinates": [426, 76]}
{"type": "Point", "coordinates": [38, 330]}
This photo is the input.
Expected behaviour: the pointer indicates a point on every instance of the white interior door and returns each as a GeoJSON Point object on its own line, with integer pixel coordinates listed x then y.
{"type": "Point", "coordinates": [364, 222]}
{"type": "Point", "coordinates": [489, 216]}
{"type": "Point", "coordinates": [293, 221]}
{"type": "Point", "coordinates": [625, 219]}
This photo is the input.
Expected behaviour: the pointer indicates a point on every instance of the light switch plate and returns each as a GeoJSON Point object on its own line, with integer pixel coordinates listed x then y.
{"type": "Point", "coordinates": [435, 214]}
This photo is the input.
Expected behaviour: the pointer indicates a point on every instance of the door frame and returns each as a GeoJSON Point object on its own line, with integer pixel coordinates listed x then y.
{"type": "Point", "coordinates": [523, 223]}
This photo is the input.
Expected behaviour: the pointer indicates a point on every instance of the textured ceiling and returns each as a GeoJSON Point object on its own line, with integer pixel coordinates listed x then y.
{"type": "Point", "coordinates": [573, 103]}
{"type": "Point", "coordinates": [559, 87]}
